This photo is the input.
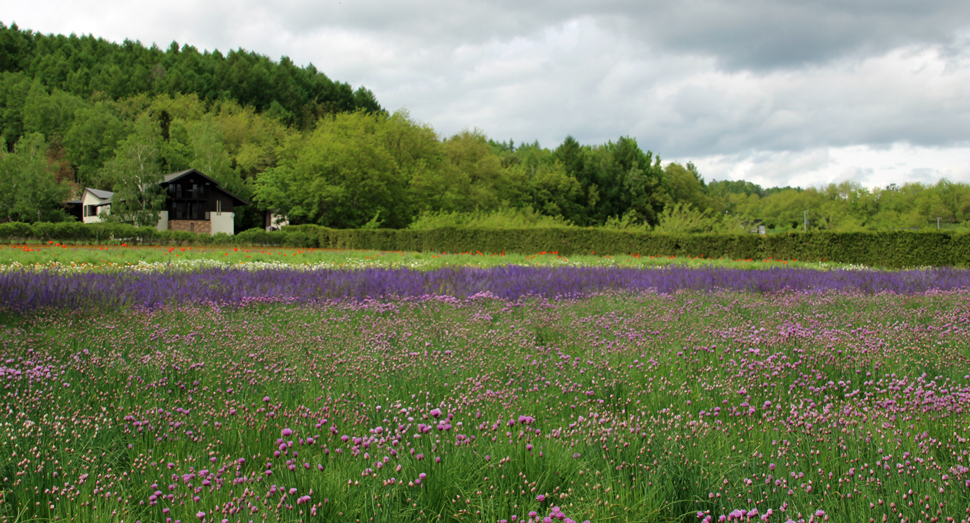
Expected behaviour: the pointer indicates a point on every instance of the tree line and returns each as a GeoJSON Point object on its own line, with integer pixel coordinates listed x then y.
{"type": "Point", "coordinates": [82, 112]}
{"type": "Point", "coordinates": [84, 67]}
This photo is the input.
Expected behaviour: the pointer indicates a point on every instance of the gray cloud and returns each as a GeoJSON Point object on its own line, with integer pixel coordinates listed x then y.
{"type": "Point", "coordinates": [740, 34]}
{"type": "Point", "coordinates": [767, 34]}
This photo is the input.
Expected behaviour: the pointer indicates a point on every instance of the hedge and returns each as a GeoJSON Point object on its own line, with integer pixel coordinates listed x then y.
{"type": "Point", "coordinates": [77, 232]}
{"type": "Point", "coordinates": [892, 249]}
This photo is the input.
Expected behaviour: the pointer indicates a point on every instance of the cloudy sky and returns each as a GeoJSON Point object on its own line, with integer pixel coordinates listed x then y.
{"type": "Point", "coordinates": [778, 92]}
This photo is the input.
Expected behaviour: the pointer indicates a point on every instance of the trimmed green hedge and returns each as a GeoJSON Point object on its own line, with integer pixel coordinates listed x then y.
{"type": "Point", "coordinates": [77, 232]}
{"type": "Point", "coordinates": [878, 249]}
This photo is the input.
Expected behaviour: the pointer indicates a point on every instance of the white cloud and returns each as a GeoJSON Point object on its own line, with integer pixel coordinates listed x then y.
{"type": "Point", "coordinates": [871, 166]}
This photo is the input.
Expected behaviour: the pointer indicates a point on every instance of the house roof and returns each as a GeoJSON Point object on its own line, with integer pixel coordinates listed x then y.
{"type": "Point", "coordinates": [104, 195]}
{"type": "Point", "coordinates": [172, 177]}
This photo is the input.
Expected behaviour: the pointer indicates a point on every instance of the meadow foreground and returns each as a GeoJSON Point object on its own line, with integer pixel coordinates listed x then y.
{"type": "Point", "coordinates": [688, 406]}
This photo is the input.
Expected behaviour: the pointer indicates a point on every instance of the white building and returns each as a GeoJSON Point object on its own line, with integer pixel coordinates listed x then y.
{"type": "Point", "coordinates": [93, 203]}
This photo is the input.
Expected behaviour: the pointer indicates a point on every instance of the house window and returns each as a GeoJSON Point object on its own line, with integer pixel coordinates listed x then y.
{"type": "Point", "coordinates": [219, 207]}
{"type": "Point", "coordinates": [207, 215]}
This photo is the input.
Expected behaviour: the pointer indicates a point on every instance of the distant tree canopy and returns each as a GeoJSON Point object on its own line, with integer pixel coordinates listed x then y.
{"type": "Point", "coordinates": [86, 67]}
{"type": "Point", "coordinates": [83, 112]}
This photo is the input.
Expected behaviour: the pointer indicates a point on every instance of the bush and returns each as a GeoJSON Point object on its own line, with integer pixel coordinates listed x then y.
{"type": "Point", "coordinates": [221, 238]}
{"type": "Point", "coordinates": [44, 231]}
{"type": "Point", "coordinates": [891, 249]}
{"type": "Point", "coordinates": [295, 239]}
{"type": "Point", "coordinates": [525, 218]}
{"type": "Point", "coordinates": [256, 236]}
{"type": "Point", "coordinates": [18, 231]}
{"type": "Point", "coordinates": [71, 231]}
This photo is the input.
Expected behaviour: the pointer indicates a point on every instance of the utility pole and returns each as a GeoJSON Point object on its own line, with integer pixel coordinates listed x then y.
{"type": "Point", "coordinates": [937, 223]}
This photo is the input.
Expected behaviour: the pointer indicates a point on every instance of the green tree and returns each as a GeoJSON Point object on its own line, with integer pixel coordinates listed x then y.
{"type": "Point", "coordinates": [469, 177]}
{"type": "Point", "coordinates": [209, 155]}
{"type": "Point", "coordinates": [340, 176]}
{"type": "Point", "coordinates": [687, 186]}
{"type": "Point", "coordinates": [16, 48]}
{"type": "Point", "coordinates": [29, 191]}
{"type": "Point", "coordinates": [621, 178]}
{"type": "Point", "coordinates": [570, 154]}
{"type": "Point", "coordinates": [135, 170]}
{"type": "Point", "coordinates": [474, 177]}
{"type": "Point", "coordinates": [87, 66]}
{"type": "Point", "coordinates": [555, 193]}
{"type": "Point", "coordinates": [684, 218]}
{"type": "Point", "coordinates": [49, 114]}
{"type": "Point", "coordinates": [92, 139]}
{"type": "Point", "coordinates": [14, 89]}
{"type": "Point", "coordinates": [252, 140]}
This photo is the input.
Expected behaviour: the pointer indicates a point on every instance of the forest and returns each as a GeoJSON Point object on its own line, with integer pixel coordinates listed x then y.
{"type": "Point", "coordinates": [79, 111]}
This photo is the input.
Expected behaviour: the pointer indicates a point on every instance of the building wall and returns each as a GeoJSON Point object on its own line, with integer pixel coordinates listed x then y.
{"type": "Point", "coordinates": [162, 221]}
{"type": "Point", "coordinates": [90, 199]}
{"type": "Point", "coordinates": [273, 221]}
{"type": "Point", "coordinates": [197, 226]}
{"type": "Point", "coordinates": [222, 222]}
{"type": "Point", "coordinates": [211, 200]}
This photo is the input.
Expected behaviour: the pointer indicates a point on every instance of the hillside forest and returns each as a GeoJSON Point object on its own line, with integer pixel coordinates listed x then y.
{"type": "Point", "coordinates": [79, 111]}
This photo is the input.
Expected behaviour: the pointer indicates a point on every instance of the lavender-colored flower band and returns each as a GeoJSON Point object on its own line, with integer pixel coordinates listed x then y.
{"type": "Point", "coordinates": [26, 290]}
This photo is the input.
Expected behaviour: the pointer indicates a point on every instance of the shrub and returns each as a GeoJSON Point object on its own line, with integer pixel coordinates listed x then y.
{"type": "Point", "coordinates": [525, 218]}
{"type": "Point", "coordinates": [891, 249]}
{"type": "Point", "coordinates": [18, 231]}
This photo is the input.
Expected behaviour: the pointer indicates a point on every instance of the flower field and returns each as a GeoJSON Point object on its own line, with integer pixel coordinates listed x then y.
{"type": "Point", "coordinates": [84, 258]}
{"type": "Point", "coordinates": [520, 394]}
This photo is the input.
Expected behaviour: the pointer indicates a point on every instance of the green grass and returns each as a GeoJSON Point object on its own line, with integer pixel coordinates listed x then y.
{"type": "Point", "coordinates": [84, 257]}
{"type": "Point", "coordinates": [616, 388]}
